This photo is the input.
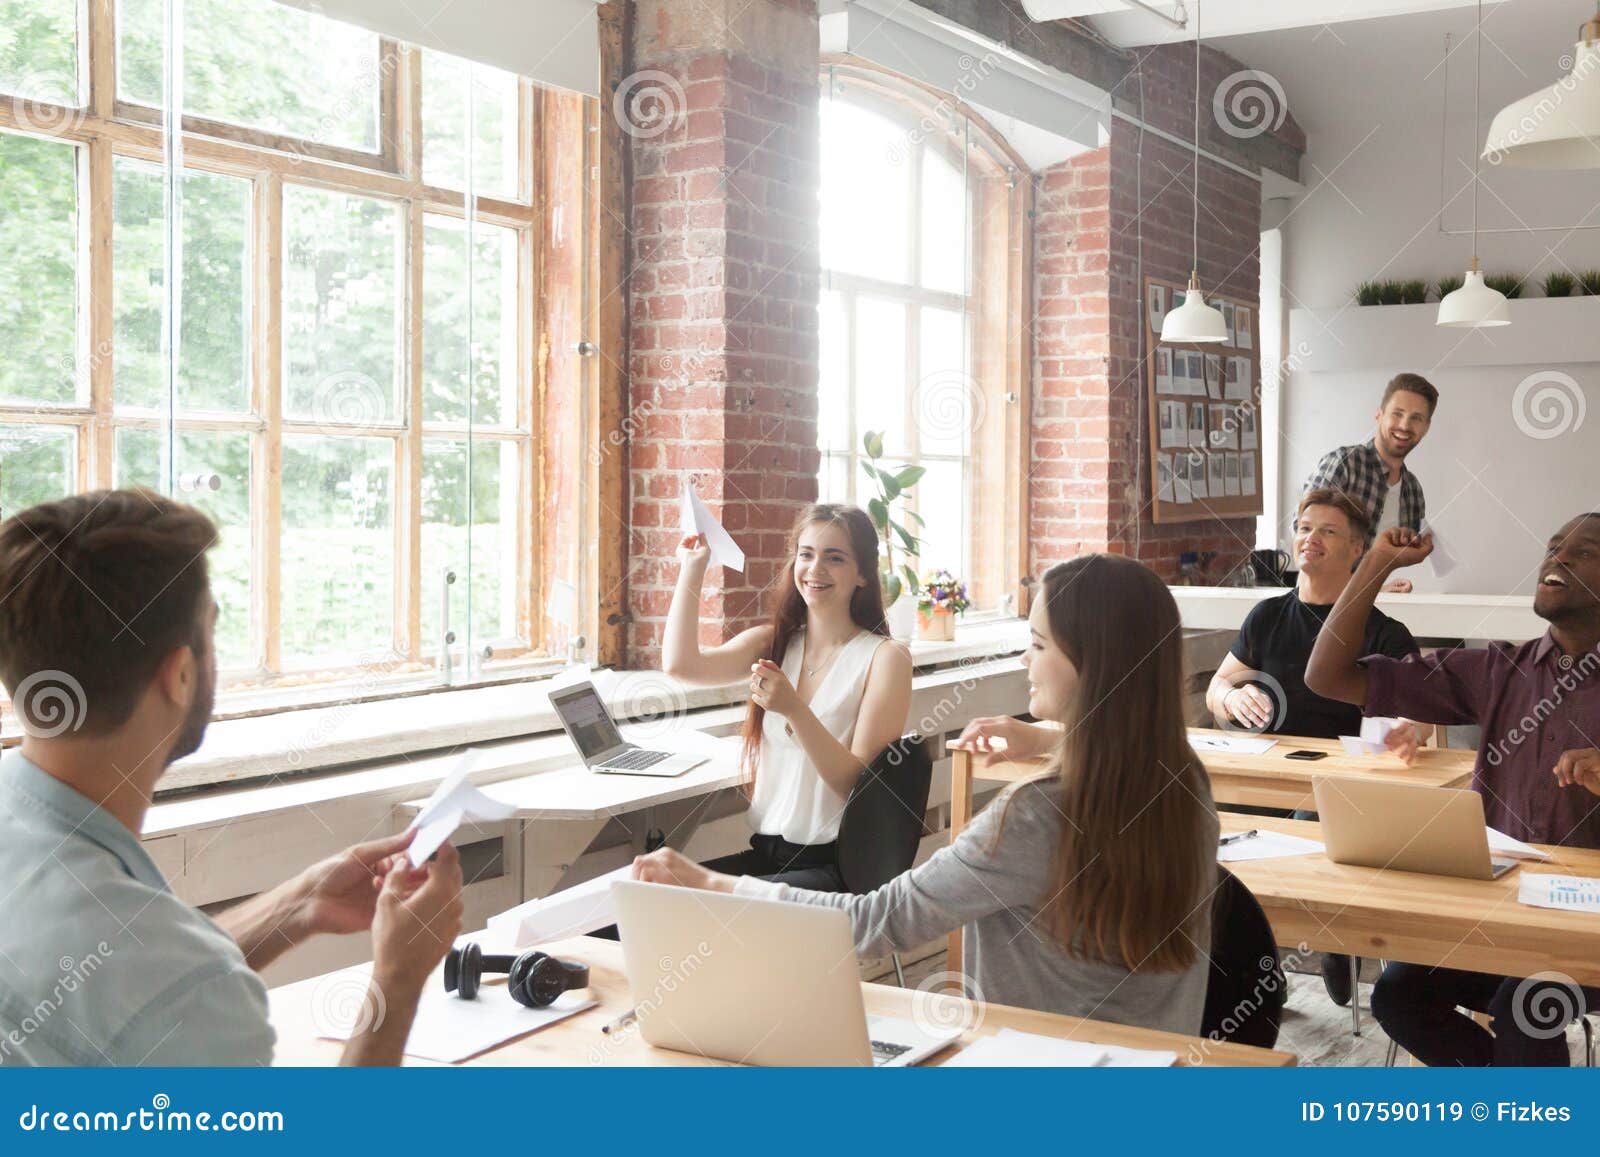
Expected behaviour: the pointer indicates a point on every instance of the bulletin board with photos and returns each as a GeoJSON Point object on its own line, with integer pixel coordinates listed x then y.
{"type": "Point", "coordinates": [1205, 415]}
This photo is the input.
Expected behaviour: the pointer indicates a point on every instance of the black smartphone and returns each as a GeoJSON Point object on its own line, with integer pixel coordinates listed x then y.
{"type": "Point", "coordinates": [1307, 755]}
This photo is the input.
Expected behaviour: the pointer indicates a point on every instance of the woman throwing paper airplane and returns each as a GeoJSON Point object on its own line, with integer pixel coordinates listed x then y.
{"type": "Point", "coordinates": [829, 690]}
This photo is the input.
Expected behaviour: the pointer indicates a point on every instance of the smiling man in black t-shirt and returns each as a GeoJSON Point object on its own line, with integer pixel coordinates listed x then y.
{"type": "Point", "coordinates": [1261, 685]}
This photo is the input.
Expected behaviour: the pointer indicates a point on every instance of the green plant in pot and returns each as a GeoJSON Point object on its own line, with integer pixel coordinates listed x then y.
{"type": "Point", "coordinates": [1559, 283]}
{"type": "Point", "coordinates": [892, 486]}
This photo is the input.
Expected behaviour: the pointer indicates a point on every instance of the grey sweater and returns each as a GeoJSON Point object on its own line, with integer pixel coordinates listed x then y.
{"type": "Point", "coordinates": [996, 892]}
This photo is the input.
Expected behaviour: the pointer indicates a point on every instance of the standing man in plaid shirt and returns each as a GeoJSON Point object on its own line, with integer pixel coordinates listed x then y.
{"type": "Point", "coordinates": [1368, 471]}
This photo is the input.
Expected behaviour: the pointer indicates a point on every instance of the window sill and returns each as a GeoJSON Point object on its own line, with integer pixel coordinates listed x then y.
{"type": "Point", "coordinates": [298, 742]}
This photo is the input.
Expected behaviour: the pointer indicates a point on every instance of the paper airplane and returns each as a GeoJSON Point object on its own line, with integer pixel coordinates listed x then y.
{"type": "Point", "coordinates": [697, 519]}
{"type": "Point", "coordinates": [1441, 560]}
{"type": "Point", "coordinates": [1374, 730]}
{"type": "Point", "coordinates": [452, 801]}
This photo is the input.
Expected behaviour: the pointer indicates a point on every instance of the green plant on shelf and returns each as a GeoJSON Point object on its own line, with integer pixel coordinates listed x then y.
{"type": "Point", "coordinates": [1509, 284]}
{"type": "Point", "coordinates": [1445, 286]}
{"type": "Point", "coordinates": [1369, 293]}
{"type": "Point", "coordinates": [1559, 283]}
{"type": "Point", "coordinates": [892, 487]}
{"type": "Point", "coordinates": [1392, 292]}
{"type": "Point", "coordinates": [1413, 291]}
{"type": "Point", "coordinates": [1589, 282]}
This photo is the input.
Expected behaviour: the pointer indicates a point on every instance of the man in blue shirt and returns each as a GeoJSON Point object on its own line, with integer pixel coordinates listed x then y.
{"type": "Point", "coordinates": [106, 623]}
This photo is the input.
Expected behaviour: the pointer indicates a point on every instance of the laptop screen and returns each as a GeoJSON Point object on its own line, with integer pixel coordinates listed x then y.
{"type": "Point", "coordinates": [586, 719]}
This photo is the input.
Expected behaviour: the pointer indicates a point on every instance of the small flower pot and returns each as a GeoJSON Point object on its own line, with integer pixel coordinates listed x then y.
{"type": "Point", "coordinates": [936, 624]}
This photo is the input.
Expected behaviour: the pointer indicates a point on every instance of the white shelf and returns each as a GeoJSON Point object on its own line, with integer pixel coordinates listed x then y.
{"type": "Point", "coordinates": [1433, 616]}
{"type": "Point", "coordinates": [1544, 331]}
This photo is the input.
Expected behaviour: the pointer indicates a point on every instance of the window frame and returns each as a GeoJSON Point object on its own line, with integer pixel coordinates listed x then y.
{"type": "Point", "coordinates": [103, 128]}
{"type": "Point", "coordinates": [999, 193]}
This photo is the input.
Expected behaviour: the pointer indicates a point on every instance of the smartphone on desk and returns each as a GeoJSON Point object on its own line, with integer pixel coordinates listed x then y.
{"type": "Point", "coordinates": [1307, 755]}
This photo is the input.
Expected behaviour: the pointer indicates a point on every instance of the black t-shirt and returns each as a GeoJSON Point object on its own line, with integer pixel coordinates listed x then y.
{"type": "Point", "coordinates": [1276, 640]}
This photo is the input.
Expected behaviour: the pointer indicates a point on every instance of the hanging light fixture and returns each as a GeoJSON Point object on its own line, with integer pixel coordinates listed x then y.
{"type": "Point", "coordinates": [1194, 320]}
{"type": "Point", "coordinates": [1557, 127]}
{"type": "Point", "coordinates": [1474, 305]}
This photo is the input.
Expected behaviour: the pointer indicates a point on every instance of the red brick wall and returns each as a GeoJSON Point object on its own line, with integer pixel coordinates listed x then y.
{"type": "Point", "coordinates": [1098, 213]}
{"type": "Point", "coordinates": [723, 291]}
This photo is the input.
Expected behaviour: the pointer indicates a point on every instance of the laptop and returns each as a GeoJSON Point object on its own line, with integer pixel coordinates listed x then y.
{"type": "Point", "coordinates": [757, 982]}
{"type": "Point", "coordinates": [594, 733]}
{"type": "Point", "coordinates": [1437, 830]}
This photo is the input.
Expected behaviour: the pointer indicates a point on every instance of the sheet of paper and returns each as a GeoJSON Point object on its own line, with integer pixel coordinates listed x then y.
{"type": "Point", "coordinates": [1121, 1057]}
{"type": "Point", "coordinates": [1501, 844]}
{"type": "Point", "coordinates": [452, 801]}
{"type": "Point", "coordinates": [1265, 845]}
{"type": "Point", "coordinates": [451, 1030]}
{"type": "Point", "coordinates": [1009, 1048]}
{"type": "Point", "coordinates": [1374, 731]}
{"type": "Point", "coordinates": [1442, 561]}
{"type": "Point", "coordinates": [1233, 744]}
{"type": "Point", "coordinates": [1570, 893]}
{"type": "Point", "coordinates": [696, 518]}
{"type": "Point", "coordinates": [572, 911]}
{"type": "Point", "coordinates": [1358, 748]}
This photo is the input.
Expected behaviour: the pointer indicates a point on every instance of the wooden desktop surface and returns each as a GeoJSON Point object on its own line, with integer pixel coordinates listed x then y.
{"type": "Point", "coordinates": [578, 1041]}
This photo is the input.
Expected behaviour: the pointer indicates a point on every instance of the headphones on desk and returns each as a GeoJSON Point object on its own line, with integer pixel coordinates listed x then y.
{"type": "Point", "coordinates": [534, 979]}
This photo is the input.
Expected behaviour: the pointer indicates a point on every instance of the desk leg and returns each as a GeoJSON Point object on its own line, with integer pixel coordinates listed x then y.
{"type": "Point", "coordinates": [549, 848]}
{"type": "Point", "coordinates": [960, 817]}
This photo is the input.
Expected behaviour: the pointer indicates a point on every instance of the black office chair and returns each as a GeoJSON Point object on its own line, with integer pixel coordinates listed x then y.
{"type": "Point", "coordinates": [1246, 991]}
{"type": "Point", "coordinates": [881, 827]}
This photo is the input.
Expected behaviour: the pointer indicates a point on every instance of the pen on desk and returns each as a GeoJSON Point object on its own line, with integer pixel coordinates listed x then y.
{"type": "Point", "coordinates": [621, 1022]}
{"type": "Point", "coordinates": [1236, 837]}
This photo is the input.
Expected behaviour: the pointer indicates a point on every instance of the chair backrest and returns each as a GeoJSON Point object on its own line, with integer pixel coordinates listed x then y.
{"type": "Point", "coordinates": [1246, 990]}
{"type": "Point", "coordinates": [881, 827]}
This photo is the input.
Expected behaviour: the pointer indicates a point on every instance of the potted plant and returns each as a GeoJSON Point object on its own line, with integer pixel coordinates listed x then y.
{"type": "Point", "coordinates": [898, 581]}
{"type": "Point", "coordinates": [943, 597]}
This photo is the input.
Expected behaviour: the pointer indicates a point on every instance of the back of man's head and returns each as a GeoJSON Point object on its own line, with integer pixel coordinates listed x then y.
{"type": "Point", "coordinates": [96, 591]}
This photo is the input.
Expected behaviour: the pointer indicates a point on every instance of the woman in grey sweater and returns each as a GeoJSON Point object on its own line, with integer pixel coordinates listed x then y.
{"type": "Point", "coordinates": [1086, 891]}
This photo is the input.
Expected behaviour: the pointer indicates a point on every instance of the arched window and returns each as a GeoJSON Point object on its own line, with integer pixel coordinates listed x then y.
{"type": "Point", "coordinates": [919, 209]}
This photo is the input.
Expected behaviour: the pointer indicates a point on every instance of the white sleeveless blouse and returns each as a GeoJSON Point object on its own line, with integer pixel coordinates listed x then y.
{"type": "Point", "coordinates": [791, 800]}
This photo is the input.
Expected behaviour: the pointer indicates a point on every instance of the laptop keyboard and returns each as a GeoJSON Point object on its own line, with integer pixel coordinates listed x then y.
{"type": "Point", "coordinates": [885, 1051]}
{"type": "Point", "coordinates": [634, 759]}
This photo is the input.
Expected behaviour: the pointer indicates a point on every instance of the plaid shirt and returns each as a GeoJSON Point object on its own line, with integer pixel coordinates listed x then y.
{"type": "Point", "coordinates": [1358, 472]}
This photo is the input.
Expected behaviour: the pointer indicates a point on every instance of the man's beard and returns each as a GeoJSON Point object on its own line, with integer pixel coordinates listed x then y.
{"type": "Point", "coordinates": [194, 727]}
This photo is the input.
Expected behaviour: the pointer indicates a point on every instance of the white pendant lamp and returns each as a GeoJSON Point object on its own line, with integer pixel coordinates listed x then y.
{"type": "Point", "coordinates": [1194, 320]}
{"type": "Point", "coordinates": [1474, 305]}
{"type": "Point", "coordinates": [1557, 127]}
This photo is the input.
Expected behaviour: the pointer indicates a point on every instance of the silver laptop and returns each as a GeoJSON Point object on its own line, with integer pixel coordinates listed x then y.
{"type": "Point", "coordinates": [1407, 827]}
{"type": "Point", "coordinates": [594, 733]}
{"type": "Point", "coordinates": [757, 982]}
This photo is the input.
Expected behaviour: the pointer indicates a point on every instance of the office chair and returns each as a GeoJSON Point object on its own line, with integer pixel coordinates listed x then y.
{"type": "Point", "coordinates": [881, 827]}
{"type": "Point", "coordinates": [1586, 1020]}
{"type": "Point", "coordinates": [1246, 989]}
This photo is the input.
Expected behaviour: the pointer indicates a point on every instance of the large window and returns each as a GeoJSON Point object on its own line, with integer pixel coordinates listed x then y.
{"type": "Point", "coordinates": [916, 218]}
{"type": "Point", "coordinates": [334, 353]}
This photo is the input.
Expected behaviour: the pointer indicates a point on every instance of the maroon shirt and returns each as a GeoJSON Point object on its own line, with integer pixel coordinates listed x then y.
{"type": "Point", "coordinates": [1533, 703]}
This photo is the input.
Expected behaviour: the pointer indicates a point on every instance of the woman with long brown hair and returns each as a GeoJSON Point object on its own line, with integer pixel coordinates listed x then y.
{"type": "Point", "coordinates": [828, 689]}
{"type": "Point", "coordinates": [1085, 891]}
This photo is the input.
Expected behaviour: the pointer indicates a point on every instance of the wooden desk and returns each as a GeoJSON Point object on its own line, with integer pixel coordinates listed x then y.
{"type": "Point", "coordinates": [1476, 925]}
{"type": "Point", "coordinates": [1270, 779]}
{"type": "Point", "coordinates": [579, 1041]}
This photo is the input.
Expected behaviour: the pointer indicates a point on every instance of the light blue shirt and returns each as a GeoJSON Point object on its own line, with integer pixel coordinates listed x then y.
{"type": "Point", "coordinates": [100, 964]}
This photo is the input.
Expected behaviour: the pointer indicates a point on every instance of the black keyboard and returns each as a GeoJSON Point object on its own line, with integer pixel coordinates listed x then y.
{"type": "Point", "coordinates": [635, 758]}
{"type": "Point", "coordinates": [885, 1051]}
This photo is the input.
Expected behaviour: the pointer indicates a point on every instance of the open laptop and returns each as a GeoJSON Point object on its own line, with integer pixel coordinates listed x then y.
{"type": "Point", "coordinates": [1438, 830]}
{"type": "Point", "coordinates": [594, 733]}
{"type": "Point", "coordinates": [758, 982]}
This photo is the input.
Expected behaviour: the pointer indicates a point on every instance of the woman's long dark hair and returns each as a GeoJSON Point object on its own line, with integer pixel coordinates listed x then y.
{"type": "Point", "coordinates": [789, 610]}
{"type": "Point", "coordinates": [1129, 879]}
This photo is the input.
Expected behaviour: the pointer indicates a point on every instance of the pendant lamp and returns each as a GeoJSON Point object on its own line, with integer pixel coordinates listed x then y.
{"type": "Point", "coordinates": [1194, 320]}
{"type": "Point", "coordinates": [1557, 127]}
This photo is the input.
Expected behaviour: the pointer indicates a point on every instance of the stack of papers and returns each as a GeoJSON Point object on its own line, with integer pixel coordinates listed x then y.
{"type": "Point", "coordinates": [1571, 893]}
{"type": "Point", "coordinates": [1233, 744]}
{"type": "Point", "coordinates": [1265, 845]}
{"type": "Point", "coordinates": [1010, 1048]}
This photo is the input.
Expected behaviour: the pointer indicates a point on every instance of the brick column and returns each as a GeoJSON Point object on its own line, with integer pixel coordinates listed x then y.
{"type": "Point", "coordinates": [721, 102]}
